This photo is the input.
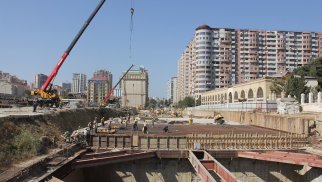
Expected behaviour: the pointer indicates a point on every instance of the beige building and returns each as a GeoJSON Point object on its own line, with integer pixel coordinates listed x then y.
{"type": "Point", "coordinates": [184, 86]}
{"type": "Point", "coordinates": [256, 90]}
{"type": "Point", "coordinates": [99, 86]}
{"type": "Point", "coordinates": [134, 88]}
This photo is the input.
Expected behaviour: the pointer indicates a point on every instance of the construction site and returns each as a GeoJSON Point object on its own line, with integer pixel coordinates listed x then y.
{"type": "Point", "coordinates": [43, 139]}
{"type": "Point", "coordinates": [171, 149]}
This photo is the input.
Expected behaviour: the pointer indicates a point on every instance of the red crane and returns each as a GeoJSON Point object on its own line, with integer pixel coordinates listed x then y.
{"type": "Point", "coordinates": [108, 96]}
{"type": "Point", "coordinates": [45, 93]}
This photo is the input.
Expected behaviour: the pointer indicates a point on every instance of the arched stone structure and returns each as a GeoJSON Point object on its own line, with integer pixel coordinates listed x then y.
{"type": "Point", "coordinates": [259, 88]}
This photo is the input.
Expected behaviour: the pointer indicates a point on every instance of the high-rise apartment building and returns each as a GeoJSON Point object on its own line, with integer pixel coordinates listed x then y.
{"type": "Point", "coordinates": [134, 88]}
{"type": "Point", "coordinates": [172, 89]}
{"type": "Point", "coordinates": [184, 70]}
{"type": "Point", "coordinates": [40, 79]}
{"type": "Point", "coordinates": [99, 86]}
{"type": "Point", "coordinates": [78, 83]}
{"type": "Point", "coordinates": [220, 57]}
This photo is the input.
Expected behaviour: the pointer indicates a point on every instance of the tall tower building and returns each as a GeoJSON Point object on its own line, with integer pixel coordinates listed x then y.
{"type": "Point", "coordinates": [99, 86]}
{"type": "Point", "coordinates": [40, 79]}
{"type": "Point", "coordinates": [172, 89]}
{"type": "Point", "coordinates": [221, 57]}
{"type": "Point", "coordinates": [134, 86]}
{"type": "Point", "coordinates": [184, 86]}
{"type": "Point", "coordinates": [78, 83]}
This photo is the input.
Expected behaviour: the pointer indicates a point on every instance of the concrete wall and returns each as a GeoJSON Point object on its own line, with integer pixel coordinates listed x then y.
{"type": "Point", "coordinates": [248, 170]}
{"type": "Point", "coordinates": [297, 123]}
{"type": "Point", "coordinates": [147, 170]}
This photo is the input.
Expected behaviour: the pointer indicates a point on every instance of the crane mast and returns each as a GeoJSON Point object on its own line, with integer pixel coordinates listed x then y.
{"type": "Point", "coordinates": [69, 49]}
{"type": "Point", "coordinates": [112, 90]}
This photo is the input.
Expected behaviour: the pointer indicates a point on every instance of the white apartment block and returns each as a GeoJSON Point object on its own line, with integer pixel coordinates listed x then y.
{"type": "Point", "coordinates": [78, 83]}
{"type": "Point", "coordinates": [221, 57]}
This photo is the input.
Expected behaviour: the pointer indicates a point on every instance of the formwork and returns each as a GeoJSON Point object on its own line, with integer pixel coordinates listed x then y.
{"type": "Point", "coordinates": [209, 138]}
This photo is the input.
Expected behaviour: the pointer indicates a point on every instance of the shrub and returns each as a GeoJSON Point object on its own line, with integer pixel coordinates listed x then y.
{"type": "Point", "coordinates": [26, 145]}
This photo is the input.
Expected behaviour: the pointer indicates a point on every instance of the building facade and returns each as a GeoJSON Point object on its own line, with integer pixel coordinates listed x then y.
{"type": "Point", "coordinates": [67, 87]}
{"type": "Point", "coordinates": [99, 86]}
{"type": "Point", "coordinates": [184, 69]}
{"type": "Point", "coordinates": [134, 88]}
{"type": "Point", "coordinates": [40, 79]}
{"type": "Point", "coordinates": [78, 83]}
{"type": "Point", "coordinates": [172, 89]}
{"type": "Point", "coordinates": [11, 85]}
{"type": "Point", "coordinates": [221, 57]}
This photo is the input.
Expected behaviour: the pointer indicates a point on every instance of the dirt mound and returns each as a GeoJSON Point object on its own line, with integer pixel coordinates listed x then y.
{"type": "Point", "coordinates": [51, 125]}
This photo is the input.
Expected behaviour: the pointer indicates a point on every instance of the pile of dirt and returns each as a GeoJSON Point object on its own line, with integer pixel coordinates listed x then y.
{"type": "Point", "coordinates": [51, 125]}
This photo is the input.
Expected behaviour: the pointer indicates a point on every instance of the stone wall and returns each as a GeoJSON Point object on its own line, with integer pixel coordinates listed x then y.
{"type": "Point", "coordinates": [296, 123]}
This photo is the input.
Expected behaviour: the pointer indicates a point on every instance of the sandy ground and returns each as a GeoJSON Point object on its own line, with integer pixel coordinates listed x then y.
{"type": "Point", "coordinates": [25, 111]}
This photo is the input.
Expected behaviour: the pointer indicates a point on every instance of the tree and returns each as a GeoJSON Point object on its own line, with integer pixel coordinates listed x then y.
{"type": "Point", "coordinates": [151, 104]}
{"type": "Point", "coordinates": [295, 86]}
{"type": "Point", "coordinates": [277, 86]}
{"type": "Point", "coordinates": [186, 102]}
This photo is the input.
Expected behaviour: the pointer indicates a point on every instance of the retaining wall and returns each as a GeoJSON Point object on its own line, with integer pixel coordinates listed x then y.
{"type": "Point", "coordinates": [296, 123]}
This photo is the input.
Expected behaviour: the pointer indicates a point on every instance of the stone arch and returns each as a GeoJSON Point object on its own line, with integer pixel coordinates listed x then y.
{"type": "Point", "coordinates": [260, 93]}
{"type": "Point", "coordinates": [242, 94]}
{"type": "Point", "coordinates": [250, 94]}
{"type": "Point", "coordinates": [230, 97]}
{"type": "Point", "coordinates": [236, 95]}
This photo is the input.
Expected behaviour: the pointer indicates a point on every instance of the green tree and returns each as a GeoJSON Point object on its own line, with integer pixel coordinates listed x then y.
{"type": "Point", "coordinates": [186, 102]}
{"type": "Point", "coordinates": [151, 104]}
{"type": "Point", "coordinates": [295, 86]}
{"type": "Point", "coordinates": [277, 86]}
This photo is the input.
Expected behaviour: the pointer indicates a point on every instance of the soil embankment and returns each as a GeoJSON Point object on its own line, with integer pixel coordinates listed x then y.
{"type": "Point", "coordinates": [20, 134]}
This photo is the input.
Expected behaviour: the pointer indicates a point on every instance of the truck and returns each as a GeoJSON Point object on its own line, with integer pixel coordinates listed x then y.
{"type": "Point", "coordinates": [46, 95]}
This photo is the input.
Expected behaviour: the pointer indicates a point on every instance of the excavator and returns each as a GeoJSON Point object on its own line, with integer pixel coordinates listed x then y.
{"type": "Point", "coordinates": [107, 98]}
{"type": "Point", "coordinates": [46, 95]}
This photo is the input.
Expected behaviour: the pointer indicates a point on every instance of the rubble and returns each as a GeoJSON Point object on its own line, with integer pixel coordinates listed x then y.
{"type": "Point", "coordinates": [287, 106]}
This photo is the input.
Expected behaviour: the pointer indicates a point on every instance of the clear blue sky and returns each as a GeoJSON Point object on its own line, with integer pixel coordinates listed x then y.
{"type": "Point", "coordinates": [35, 33]}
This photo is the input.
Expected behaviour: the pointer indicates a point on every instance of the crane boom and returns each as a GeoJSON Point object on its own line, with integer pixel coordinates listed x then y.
{"type": "Point", "coordinates": [112, 90]}
{"type": "Point", "coordinates": [69, 49]}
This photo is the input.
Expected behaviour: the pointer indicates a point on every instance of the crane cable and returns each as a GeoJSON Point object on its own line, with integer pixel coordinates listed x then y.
{"type": "Point", "coordinates": [131, 27]}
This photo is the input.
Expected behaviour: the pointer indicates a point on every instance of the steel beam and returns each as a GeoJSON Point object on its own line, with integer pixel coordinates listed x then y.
{"type": "Point", "coordinates": [218, 168]}
{"type": "Point", "coordinates": [284, 157]}
{"type": "Point", "coordinates": [200, 169]}
{"type": "Point", "coordinates": [82, 163]}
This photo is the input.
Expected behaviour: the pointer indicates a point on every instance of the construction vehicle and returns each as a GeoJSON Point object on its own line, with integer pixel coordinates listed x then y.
{"type": "Point", "coordinates": [219, 119]}
{"type": "Point", "coordinates": [107, 99]}
{"type": "Point", "coordinates": [46, 95]}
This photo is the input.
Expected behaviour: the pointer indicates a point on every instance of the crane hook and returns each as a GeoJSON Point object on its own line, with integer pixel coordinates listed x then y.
{"type": "Point", "coordinates": [132, 11]}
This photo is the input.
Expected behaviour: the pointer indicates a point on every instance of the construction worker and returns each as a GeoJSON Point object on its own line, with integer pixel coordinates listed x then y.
{"type": "Point", "coordinates": [145, 127]}
{"type": "Point", "coordinates": [102, 121]}
{"type": "Point", "coordinates": [34, 105]}
{"type": "Point", "coordinates": [135, 125]}
{"type": "Point", "coordinates": [166, 129]}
